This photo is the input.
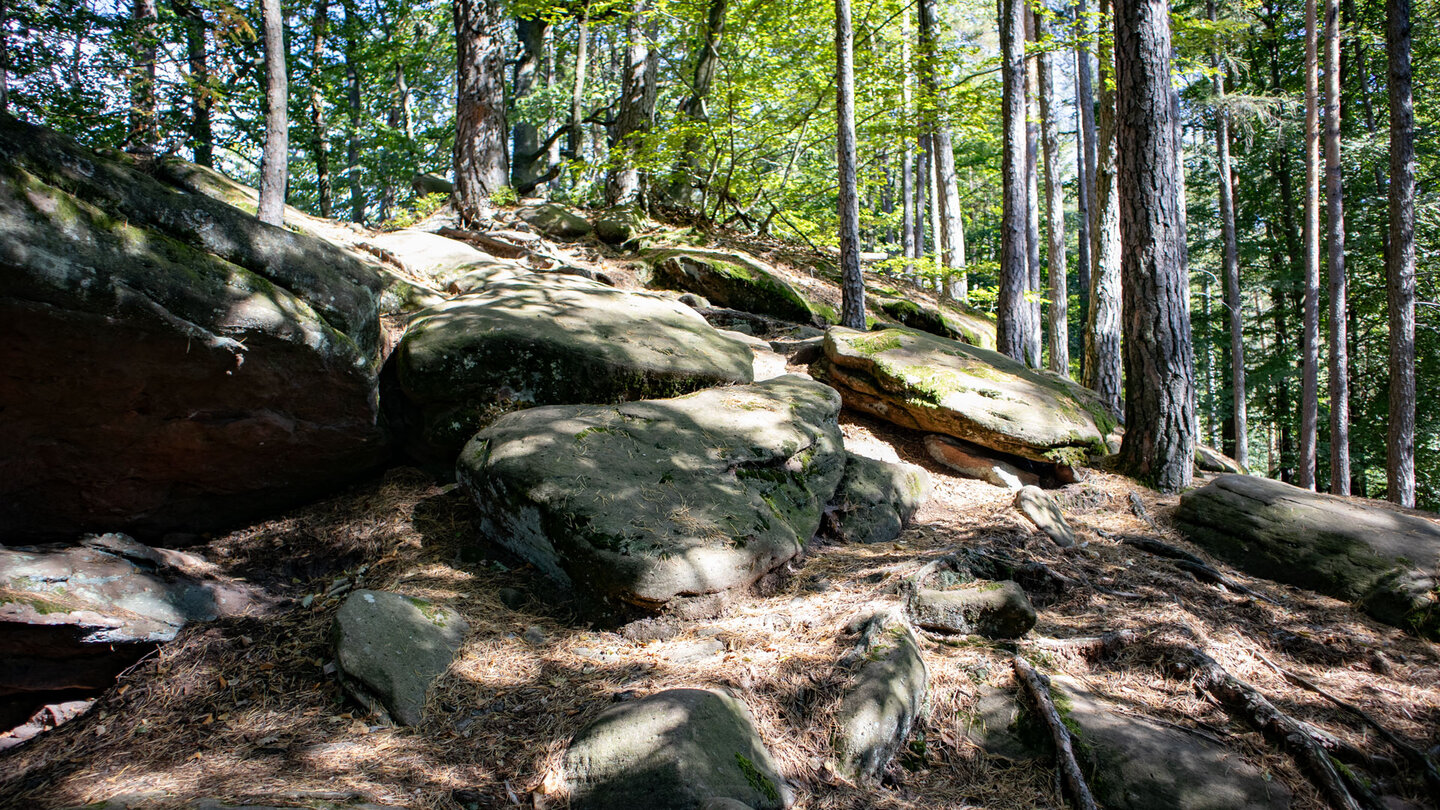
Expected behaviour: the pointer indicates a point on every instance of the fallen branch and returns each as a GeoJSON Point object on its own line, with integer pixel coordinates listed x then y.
{"type": "Point", "coordinates": [1157, 548]}
{"type": "Point", "coordinates": [1038, 686]}
{"type": "Point", "coordinates": [1242, 699]}
{"type": "Point", "coordinates": [1138, 507]}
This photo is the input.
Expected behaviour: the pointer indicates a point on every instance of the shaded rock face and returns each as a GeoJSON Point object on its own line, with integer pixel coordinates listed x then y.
{"type": "Point", "coordinates": [673, 750]}
{"type": "Point", "coordinates": [736, 281]}
{"type": "Point", "coordinates": [876, 499]}
{"type": "Point", "coordinates": [72, 618]}
{"type": "Point", "coordinates": [884, 699]}
{"type": "Point", "coordinates": [159, 350]}
{"type": "Point", "coordinates": [555, 221]}
{"type": "Point", "coordinates": [947, 322]}
{"type": "Point", "coordinates": [994, 610]}
{"type": "Point", "coordinates": [546, 341]}
{"type": "Point", "coordinates": [970, 462]}
{"type": "Point", "coordinates": [647, 501]}
{"type": "Point", "coordinates": [1382, 560]}
{"type": "Point", "coordinates": [390, 648]}
{"type": "Point", "coordinates": [924, 382]}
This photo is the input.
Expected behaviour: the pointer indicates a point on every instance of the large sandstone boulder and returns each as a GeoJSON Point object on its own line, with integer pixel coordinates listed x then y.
{"type": "Point", "coordinates": [1383, 560]}
{"type": "Point", "coordinates": [953, 322]}
{"type": "Point", "coordinates": [924, 382]}
{"type": "Point", "coordinates": [674, 750]}
{"type": "Point", "coordinates": [390, 648]}
{"type": "Point", "coordinates": [73, 617]}
{"type": "Point", "coordinates": [736, 281]}
{"type": "Point", "coordinates": [556, 221]}
{"type": "Point", "coordinates": [545, 341]}
{"type": "Point", "coordinates": [650, 500]}
{"type": "Point", "coordinates": [166, 360]}
{"type": "Point", "coordinates": [876, 499]}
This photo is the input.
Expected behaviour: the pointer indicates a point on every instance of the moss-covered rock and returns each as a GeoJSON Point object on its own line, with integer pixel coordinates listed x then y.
{"type": "Point", "coordinates": [885, 697]}
{"type": "Point", "coordinates": [951, 321]}
{"type": "Point", "coordinates": [556, 221]}
{"type": "Point", "coordinates": [544, 341]}
{"type": "Point", "coordinates": [390, 648]}
{"type": "Point", "coordinates": [992, 609]}
{"type": "Point", "coordinates": [876, 499]}
{"type": "Point", "coordinates": [736, 281]}
{"type": "Point", "coordinates": [925, 382]}
{"type": "Point", "coordinates": [167, 360]}
{"type": "Point", "coordinates": [616, 226]}
{"type": "Point", "coordinates": [647, 501]}
{"type": "Point", "coordinates": [1383, 560]}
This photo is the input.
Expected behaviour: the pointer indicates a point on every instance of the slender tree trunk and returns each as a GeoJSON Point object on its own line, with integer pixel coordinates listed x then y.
{"type": "Point", "coordinates": [1032, 212]}
{"type": "Point", "coordinates": [1335, 208]}
{"type": "Point", "coordinates": [1400, 266]}
{"type": "Point", "coordinates": [1084, 155]}
{"type": "Point", "coordinates": [577, 90]}
{"type": "Point", "coordinates": [852, 311]}
{"type": "Point", "coordinates": [951, 236]}
{"type": "Point", "coordinates": [144, 110]}
{"type": "Point", "coordinates": [1013, 314]}
{"type": "Point", "coordinates": [202, 140]}
{"type": "Point", "coordinates": [1231, 259]}
{"type": "Point", "coordinates": [1102, 333]}
{"type": "Point", "coordinates": [319, 136]}
{"type": "Point", "coordinates": [907, 158]}
{"type": "Point", "coordinates": [1054, 213]}
{"type": "Point", "coordinates": [622, 182]}
{"type": "Point", "coordinates": [4, 57]}
{"type": "Point", "coordinates": [525, 164]}
{"type": "Point", "coordinates": [352, 96]}
{"type": "Point", "coordinates": [274, 168]}
{"type": "Point", "coordinates": [1159, 444]}
{"type": "Point", "coordinates": [937, 228]}
{"type": "Point", "coordinates": [693, 110]}
{"type": "Point", "coordinates": [481, 165]}
{"type": "Point", "coordinates": [922, 191]}
{"type": "Point", "coordinates": [1310, 379]}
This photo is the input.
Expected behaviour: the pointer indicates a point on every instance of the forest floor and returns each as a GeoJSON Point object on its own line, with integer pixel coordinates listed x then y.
{"type": "Point", "coordinates": [248, 710]}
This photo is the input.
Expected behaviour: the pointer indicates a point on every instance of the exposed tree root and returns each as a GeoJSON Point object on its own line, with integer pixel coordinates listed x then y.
{"type": "Point", "coordinates": [1038, 688]}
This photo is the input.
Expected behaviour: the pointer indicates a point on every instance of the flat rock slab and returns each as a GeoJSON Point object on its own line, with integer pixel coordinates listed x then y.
{"type": "Point", "coordinates": [929, 383]}
{"type": "Point", "coordinates": [1380, 559]}
{"type": "Point", "coordinates": [876, 499]}
{"type": "Point", "coordinates": [556, 221]}
{"type": "Point", "coordinates": [946, 321]}
{"type": "Point", "coordinates": [390, 648]}
{"type": "Point", "coordinates": [673, 750]}
{"type": "Point", "coordinates": [1208, 459]}
{"type": "Point", "coordinates": [972, 462]}
{"type": "Point", "coordinates": [435, 257]}
{"type": "Point", "coordinates": [1037, 505]}
{"type": "Point", "coordinates": [546, 341]}
{"type": "Point", "coordinates": [651, 500]}
{"type": "Point", "coordinates": [992, 609]}
{"type": "Point", "coordinates": [884, 698]}
{"type": "Point", "coordinates": [737, 281]}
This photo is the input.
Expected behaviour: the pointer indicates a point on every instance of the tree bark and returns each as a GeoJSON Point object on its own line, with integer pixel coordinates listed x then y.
{"type": "Point", "coordinates": [1102, 332]}
{"type": "Point", "coordinates": [1231, 260]}
{"type": "Point", "coordinates": [622, 182]}
{"type": "Point", "coordinates": [908, 231]}
{"type": "Point", "coordinates": [1400, 264]}
{"type": "Point", "coordinates": [352, 96]}
{"type": "Point", "coordinates": [951, 236]}
{"type": "Point", "coordinates": [1054, 213]}
{"type": "Point", "coordinates": [1032, 211]}
{"type": "Point", "coordinates": [1159, 444]}
{"type": "Point", "coordinates": [922, 192]}
{"type": "Point", "coordinates": [319, 140]}
{"type": "Point", "coordinates": [1084, 155]}
{"type": "Point", "coordinates": [525, 164]}
{"type": "Point", "coordinates": [576, 143]}
{"type": "Point", "coordinates": [1013, 315]}
{"type": "Point", "coordinates": [202, 139]}
{"type": "Point", "coordinates": [1335, 208]}
{"type": "Point", "coordinates": [274, 167]}
{"type": "Point", "coordinates": [144, 136]}
{"type": "Point", "coordinates": [1310, 371]}
{"type": "Point", "coordinates": [4, 57]}
{"type": "Point", "coordinates": [852, 310]}
{"type": "Point", "coordinates": [481, 165]}
{"type": "Point", "coordinates": [692, 111]}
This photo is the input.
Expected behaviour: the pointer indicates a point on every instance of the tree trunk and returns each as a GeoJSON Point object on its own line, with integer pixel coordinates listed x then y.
{"type": "Point", "coordinates": [852, 310]}
{"type": "Point", "coordinates": [1054, 214]}
{"type": "Point", "coordinates": [1335, 208]}
{"type": "Point", "coordinates": [1032, 210]}
{"type": "Point", "coordinates": [481, 165]}
{"type": "Point", "coordinates": [908, 231]}
{"type": "Point", "coordinates": [622, 182]}
{"type": "Point", "coordinates": [1013, 313]}
{"type": "Point", "coordinates": [274, 168]}
{"type": "Point", "coordinates": [937, 230]}
{"type": "Point", "coordinates": [144, 111]}
{"type": "Point", "coordinates": [319, 140]}
{"type": "Point", "coordinates": [352, 96]}
{"type": "Point", "coordinates": [1310, 374]}
{"type": "Point", "coordinates": [4, 57]}
{"type": "Point", "coordinates": [1400, 265]}
{"type": "Point", "coordinates": [1159, 444]}
{"type": "Point", "coordinates": [1102, 332]}
{"type": "Point", "coordinates": [1231, 260]}
{"type": "Point", "coordinates": [692, 111]}
{"type": "Point", "coordinates": [525, 165]}
{"type": "Point", "coordinates": [576, 143]}
{"type": "Point", "coordinates": [922, 191]}
{"type": "Point", "coordinates": [202, 140]}
{"type": "Point", "coordinates": [1084, 155]}
{"type": "Point", "coordinates": [951, 237]}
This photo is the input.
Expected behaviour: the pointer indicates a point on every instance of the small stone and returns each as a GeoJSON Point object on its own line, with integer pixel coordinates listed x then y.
{"type": "Point", "coordinates": [390, 648]}
{"type": "Point", "coordinates": [993, 610]}
{"type": "Point", "coordinates": [535, 634]}
{"type": "Point", "coordinates": [512, 598]}
{"type": "Point", "coordinates": [1035, 504]}
{"type": "Point", "coordinates": [885, 697]}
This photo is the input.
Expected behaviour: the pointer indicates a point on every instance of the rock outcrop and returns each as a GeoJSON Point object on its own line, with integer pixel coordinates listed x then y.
{"type": "Point", "coordinates": [737, 281]}
{"type": "Point", "coordinates": [546, 341]}
{"type": "Point", "coordinates": [390, 648]}
{"type": "Point", "coordinates": [924, 382]}
{"type": "Point", "coordinates": [556, 221]}
{"type": "Point", "coordinates": [160, 350]}
{"type": "Point", "coordinates": [1380, 559]}
{"type": "Point", "coordinates": [673, 750]}
{"type": "Point", "coordinates": [650, 500]}
{"type": "Point", "coordinates": [951, 322]}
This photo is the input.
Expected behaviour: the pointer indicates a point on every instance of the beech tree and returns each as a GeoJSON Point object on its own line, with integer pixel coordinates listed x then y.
{"type": "Point", "coordinates": [693, 112]}
{"type": "Point", "coordinates": [1084, 155]}
{"type": "Point", "coordinates": [481, 163]}
{"type": "Point", "coordinates": [1230, 259]}
{"type": "Point", "coordinates": [1159, 443]}
{"type": "Point", "coordinates": [1400, 262]}
{"type": "Point", "coordinates": [1034, 338]}
{"type": "Point", "coordinates": [274, 166]}
{"type": "Point", "coordinates": [950, 237]}
{"type": "Point", "coordinates": [637, 108]}
{"type": "Point", "coordinates": [319, 143]}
